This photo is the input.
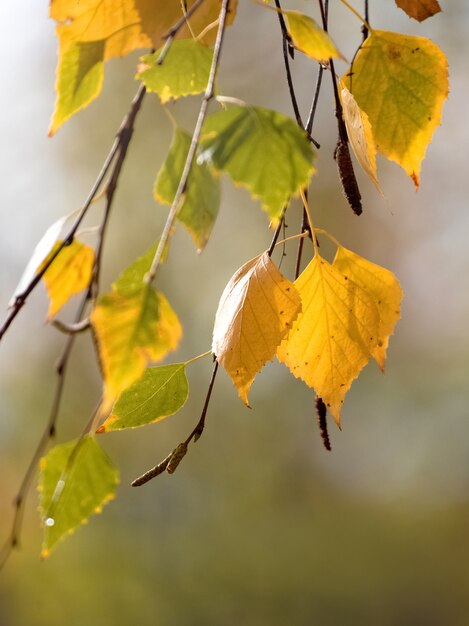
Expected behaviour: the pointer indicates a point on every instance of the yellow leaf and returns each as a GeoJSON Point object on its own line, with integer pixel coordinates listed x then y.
{"type": "Point", "coordinates": [308, 37]}
{"type": "Point", "coordinates": [360, 135]}
{"type": "Point", "coordinates": [384, 289]}
{"type": "Point", "coordinates": [419, 9]}
{"type": "Point", "coordinates": [132, 330]}
{"type": "Point", "coordinates": [69, 274]}
{"type": "Point", "coordinates": [159, 15]}
{"type": "Point", "coordinates": [334, 335]}
{"type": "Point", "coordinates": [255, 313]}
{"type": "Point", "coordinates": [93, 31]}
{"type": "Point", "coordinates": [401, 82]}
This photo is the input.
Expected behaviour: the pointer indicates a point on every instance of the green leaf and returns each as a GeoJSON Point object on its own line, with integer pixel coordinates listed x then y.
{"type": "Point", "coordinates": [132, 330]}
{"type": "Point", "coordinates": [202, 200]}
{"type": "Point", "coordinates": [308, 37]}
{"type": "Point", "coordinates": [80, 76]}
{"type": "Point", "coordinates": [76, 480]}
{"type": "Point", "coordinates": [260, 149]}
{"type": "Point", "coordinates": [160, 392]}
{"type": "Point", "coordinates": [401, 82]}
{"type": "Point", "coordinates": [185, 70]}
{"type": "Point", "coordinates": [131, 279]}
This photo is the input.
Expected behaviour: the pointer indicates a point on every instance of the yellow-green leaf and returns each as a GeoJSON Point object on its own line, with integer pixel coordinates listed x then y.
{"type": "Point", "coordinates": [160, 392]}
{"type": "Point", "coordinates": [419, 9]}
{"type": "Point", "coordinates": [384, 289]}
{"type": "Point", "coordinates": [260, 149]}
{"type": "Point", "coordinates": [131, 280]}
{"type": "Point", "coordinates": [401, 82]}
{"type": "Point", "coordinates": [80, 75]}
{"type": "Point", "coordinates": [255, 313]}
{"type": "Point", "coordinates": [308, 37]}
{"type": "Point", "coordinates": [76, 480]}
{"type": "Point", "coordinates": [199, 209]}
{"type": "Point", "coordinates": [360, 135]}
{"type": "Point", "coordinates": [185, 70]}
{"type": "Point", "coordinates": [113, 28]}
{"type": "Point", "coordinates": [334, 335]}
{"type": "Point", "coordinates": [69, 274]}
{"type": "Point", "coordinates": [131, 331]}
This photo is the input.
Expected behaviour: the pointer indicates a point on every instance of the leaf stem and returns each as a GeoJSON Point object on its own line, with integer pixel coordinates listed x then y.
{"type": "Point", "coordinates": [196, 358]}
{"type": "Point", "coordinates": [297, 236]}
{"type": "Point", "coordinates": [328, 235]}
{"type": "Point", "coordinates": [357, 14]}
{"type": "Point", "coordinates": [179, 196]}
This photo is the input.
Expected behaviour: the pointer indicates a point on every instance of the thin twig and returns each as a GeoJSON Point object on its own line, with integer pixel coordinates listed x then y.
{"type": "Point", "coordinates": [48, 433]}
{"type": "Point", "coordinates": [119, 146]}
{"type": "Point", "coordinates": [367, 20]}
{"type": "Point", "coordinates": [314, 105]}
{"type": "Point", "coordinates": [173, 459]}
{"type": "Point", "coordinates": [286, 46]}
{"type": "Point", "coordinates": [179, 196]}
{"type": "Point", "coordinates": [72, 329]}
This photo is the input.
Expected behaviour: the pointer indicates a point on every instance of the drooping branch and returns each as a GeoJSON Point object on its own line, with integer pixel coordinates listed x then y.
{"type": "Point", "coordinates": [118, 151]}
{"type": "Point", "coordinates": [208, 95]}
{"type": "Point", "coordinates": [48, 433]}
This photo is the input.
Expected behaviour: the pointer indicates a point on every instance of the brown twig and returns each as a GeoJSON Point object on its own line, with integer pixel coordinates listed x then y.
{"type": "Point", "coordinates": [118, 149]}
{"type": "Point", "coordinates": [48, 433]}
{"type": "Point", "coordinates": [173, 459]}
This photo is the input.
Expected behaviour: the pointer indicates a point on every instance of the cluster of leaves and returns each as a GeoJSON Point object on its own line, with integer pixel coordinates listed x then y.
{"type": "Point", "coordinates": [326, 324]}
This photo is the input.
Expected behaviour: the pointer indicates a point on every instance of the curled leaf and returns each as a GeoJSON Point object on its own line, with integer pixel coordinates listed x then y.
{"type": "Point", "coordinates": [255, 313]}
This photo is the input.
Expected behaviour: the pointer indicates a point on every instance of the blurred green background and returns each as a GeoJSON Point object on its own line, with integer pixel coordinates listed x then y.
{"type": "Point", "coordinates": [260, 525]}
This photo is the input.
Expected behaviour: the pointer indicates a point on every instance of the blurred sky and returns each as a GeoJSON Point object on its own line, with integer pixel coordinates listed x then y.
{"type": "Point", "coordinates": [398, 477]}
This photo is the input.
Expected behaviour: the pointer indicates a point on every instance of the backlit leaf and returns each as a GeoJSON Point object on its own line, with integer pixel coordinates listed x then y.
{"type": "Point", "coordinates": [382, 286]}
{"type": "Point", "coordinates": [131, 280]}
{"type": "Point", "coordinates": [202, 199]}
{"type": "Point", "coordinates": [360, 135]}
{"type": "Point", "coordinates": [401, 82]}
{"type": "Point", "coordinates": [256, 311]}
{"type": "Point", "coordinates": [260, 149]}
{"type": "Point", "coordinates": [160, 392]}
{"type": "Point", "coordinates": [76, 480]}
{"type": "Point", "coordinates": [69, 274]}
{"type": "Point", "coordinates": [80, 75]}
{"type": "Point", "coordinates": [158, 16]}
{"type": "Point", "coordinates": [419, 9]}
{"type": "Point", "coordinates": [334, 335]}
{"type": "Point", "coordinates": [93, 31]}
{"type": "Point", "coordinates": [132, 330]}
{"type": "Point", "coordinates": [185, 70]}
{"type": "Point", "coordinates": [309, 37]}
{"type": "Point", "coordinates": [41, 251]}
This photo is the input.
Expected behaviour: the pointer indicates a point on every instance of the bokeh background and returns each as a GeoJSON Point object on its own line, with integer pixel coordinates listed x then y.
{"type": "Point", "coordinates": [260, 525]}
